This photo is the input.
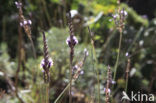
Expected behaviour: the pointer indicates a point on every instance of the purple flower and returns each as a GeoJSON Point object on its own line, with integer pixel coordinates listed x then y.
{"type": "Point", "coordinates": [124, 13]}
{"type": "Point", "coordinates": [29, 22]}
{"type": "Point", "coordinates": [75, 67]}
{"type": "Point", "coordinates": [18, 4]}
{"type": "Point", "coordinates": [113, 82]}
{"type": "Point", "coordinates": [50, 63]}
{"type": "Point", "coordinates": [68, 41]}
{"type": "Point", "coordinates": [25, 22]}
{"type": "Point", "coordinates": [115, 16]}
{"type": "Point", "coordinates": [21, 24]}
{"type": "Point", "coordinates": [105, 90]}
{"type": "Point", "coordinates": [127, 54]}
{"type": "Point", "coordinates": [81, 72]}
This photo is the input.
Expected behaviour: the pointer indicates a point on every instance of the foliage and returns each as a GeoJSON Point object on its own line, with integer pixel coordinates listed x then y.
{"type": "Point", "coordinates": [139, 40]}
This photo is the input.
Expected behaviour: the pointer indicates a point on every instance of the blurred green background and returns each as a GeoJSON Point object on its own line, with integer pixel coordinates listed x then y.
{"type": "Point", "coordinates": [139, 40]}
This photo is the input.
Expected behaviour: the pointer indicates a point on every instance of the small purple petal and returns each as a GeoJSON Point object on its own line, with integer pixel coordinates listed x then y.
{"type": "Point", "coordinates": [42, 65]}
{"type": "Point", "coordinates": [68, 41]}
{"type": "Point", "coordinates": [21, 24]}
{"type": "Point", "coordinates": [113, 82]}
{"type": "Point", "coordinates": [127, 54]}
{"type": "Point", "coordinates": [115, 16]}
{"type": "Point", "coordinates": [75, 40]}
{"type": "Point", "coordinates": [109, 91]}
{"type": "Point", "coordinates": [29, 22]}
{"type": "Point", "coordinates": [82, 72]}
{"type": "Point", "coordinates": [25, 22]}
{"type": "Point", "coordinates": [75, 67]}
{"type": "Point", "coordinates": [18, 4]}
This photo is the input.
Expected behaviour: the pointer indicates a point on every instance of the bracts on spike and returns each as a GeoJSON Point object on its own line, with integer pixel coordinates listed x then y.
{"type": "Point", "coordinates": [26, 25]}
{"type": "Point", "coordinates": [47, 62]}
{"type": "Point", "coordinates": [109, 83]}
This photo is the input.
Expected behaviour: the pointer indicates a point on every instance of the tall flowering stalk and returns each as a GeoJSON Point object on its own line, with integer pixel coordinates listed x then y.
{"type": "Point", "coordinates": [119, 19]}
{"type": "Point", "coordinates": [109, 83]}
{"type": "Point", "coordinates": [71, 42]}
{"type": "Point", "coordinates": [18, 5]}
{"type": "Point", "coordinates": [26, 24]}
{"type": "Point", "coordinates": [95, 59]}
{"type": "Point", "coordinates": [47, 62]}
{"type": "Point", "coordinates": [127, 73]}
{"type": "Point", "coordinates": [78, 67]}
{"type": "Point", "coordinates": [77, 71]}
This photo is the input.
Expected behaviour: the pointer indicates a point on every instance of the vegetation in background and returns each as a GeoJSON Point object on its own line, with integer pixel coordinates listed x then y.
{"type": "Point", "coordinates": [91, 72]}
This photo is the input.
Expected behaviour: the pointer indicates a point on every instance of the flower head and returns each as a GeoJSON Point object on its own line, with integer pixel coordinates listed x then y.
{"type": "Point", "coordinates": [18, 4]}
{"type": "Point", "coordinates": [69, 42]}
{"type": "Point", "coordinates": [115, 16]}
{"type": "Point", "coordinates": [107, 90]}
{"type": "Point", "coordinates": [49, 64]}
{"type": "Point", "coordinates": [123, 12]}
{"type": "Point", "coordinates": [25, 22]}
{"type": "Point", "coordinates": [127, 54]}
{"type": "Point", "coordinates": [113, 82]}
{"type": "Point", "coordinates": [119, 18]}
{"type": "Point", "coordinates": [81, 72]}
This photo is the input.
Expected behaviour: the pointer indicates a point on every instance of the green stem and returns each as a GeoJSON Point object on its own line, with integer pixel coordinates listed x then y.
{"type": "Point", "coordinates": [33, 48]}
{"type": "Point", "coordinates": [47, 93]}
{"type": "Point", "coordinates": [97, 72]}
{"type": "Point", "coordinates": [70, 96]}
{"type": "Point", "coordinates": [126, 85]}
{"type": "Point", "coordinates": [94, 58]}
{"type": "Point", "coordinates": [62, 93]}
{"type": "Point", "coordinates": [118, 55]}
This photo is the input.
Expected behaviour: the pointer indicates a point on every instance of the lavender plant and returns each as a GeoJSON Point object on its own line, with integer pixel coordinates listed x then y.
{"type": "Point", "coordinates": [77, 71]}
{"type": "Point", "coordinates": [119, 19]}
{"type": "Point", "coordinates": [71, 42]}
{"type": "Point", "coordinates": [109, 83]}
{"type": "Point", "coordinates": [127, 73]}
{"type": "Point", "coordinates": [95, 58]}
{"type": "Point", "coordinates": [47, 62]}
{"type": "Point", "coordinates": [26, 24]}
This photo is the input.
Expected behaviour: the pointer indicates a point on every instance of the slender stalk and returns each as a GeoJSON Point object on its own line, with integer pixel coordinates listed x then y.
{"type": "Point", "coordinates": [97, 73]}
{"type": "Point", "coordinates": [127, 73]}
{"type": "Point", "coordinates": [126, 85]}
{"type": "Point", "coordinates": [118, 55]}
{"type": "Point", "coordinates": [19, 52]}
{"type": "Point", "coordinates": [47, 93]}
{"type": "Point", "coordinates": [33, 48]}
{"type": "Point", "coordinates": [109, 79]}
{"type": "Point", "coordinates": [71, 43]}
{"type": "Point", "coordinates": [66, 88]}
{"type": "Point", "coordinates": [70, 97]}
{"type": "Point", "coordinates": [74, 78]}
{"type": "Point", "coordinates": [120, 25]}
{"type": "Point", "coordinates": [94, 58]}
{"type": "Point", "coordinates": [71, 66]}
